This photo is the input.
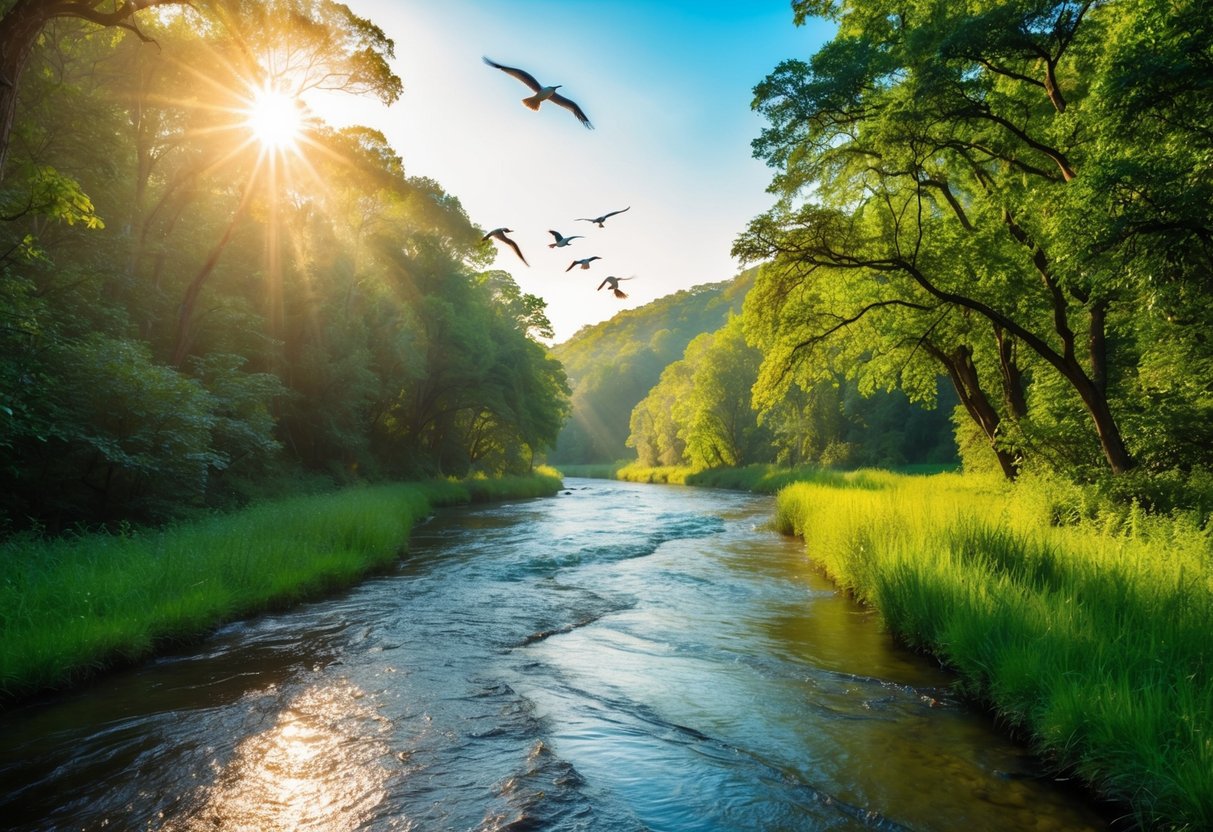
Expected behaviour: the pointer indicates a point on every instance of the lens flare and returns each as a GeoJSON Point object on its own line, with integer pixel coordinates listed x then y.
{"type": "Point", "coordinates": [275, 119]}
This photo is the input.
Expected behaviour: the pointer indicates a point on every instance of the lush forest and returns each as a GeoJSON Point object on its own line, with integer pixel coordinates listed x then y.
{"type": "Point", "coordinates": [669, 383]}
{"type": "Point", "coordinates": [1015, 197]}
{"type": "Point", "coordinates": [1002, 214]}
{"type": "Point", "coordinates": [193, 316]}
{"type": "Point", "coordinates": [612, 365]}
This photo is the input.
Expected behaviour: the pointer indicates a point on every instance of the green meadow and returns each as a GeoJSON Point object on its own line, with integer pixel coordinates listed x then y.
{"type": "Point", "coordinates": [72, 606]}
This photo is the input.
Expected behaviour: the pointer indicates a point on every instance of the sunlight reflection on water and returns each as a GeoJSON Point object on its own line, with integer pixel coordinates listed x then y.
{"type": "Point", "coordinates": [323, 765]}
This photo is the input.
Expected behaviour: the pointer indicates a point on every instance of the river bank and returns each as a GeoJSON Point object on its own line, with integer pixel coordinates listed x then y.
{"type": "Point", "coordinates": [75, 606]}
{"type": "Point", "coordinates": [618, 658]}
{"type": "Point", "coordinates": [1083, 624]}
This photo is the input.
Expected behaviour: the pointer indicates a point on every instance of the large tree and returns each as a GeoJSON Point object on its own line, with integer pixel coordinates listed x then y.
{"type": "Point", "coordinates": [939, 173]}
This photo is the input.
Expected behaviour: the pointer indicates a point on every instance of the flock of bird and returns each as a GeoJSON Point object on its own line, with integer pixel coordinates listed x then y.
{"type": "Point", "coordinates": [541, 94]}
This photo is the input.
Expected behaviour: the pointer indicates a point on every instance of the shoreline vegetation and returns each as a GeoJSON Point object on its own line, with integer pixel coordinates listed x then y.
{"type": "Point", "coordinates": [73, 607]}
{"type": "Point", "coordinates": [1083, 622]}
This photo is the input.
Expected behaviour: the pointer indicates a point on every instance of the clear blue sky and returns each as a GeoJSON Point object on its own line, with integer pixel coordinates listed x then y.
{"type": "Point", "coordinates": [668, 87]}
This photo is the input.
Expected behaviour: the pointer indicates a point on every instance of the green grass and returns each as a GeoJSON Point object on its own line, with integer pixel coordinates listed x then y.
{"type": "Point", "coordinates": [761, 479]}
{"type": "Point", "coordinates": [1092, 638]}
{"type": "Point", "coordinates": [601, 471]}
{"type": "Point", "coordinates": [73, 606]}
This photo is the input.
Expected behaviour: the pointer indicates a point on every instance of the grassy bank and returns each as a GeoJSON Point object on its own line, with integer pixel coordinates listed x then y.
{"type": "Point", "coordinates": [761, 479]}
{"type": "Point", "coordinates": [70, 607]}
{"type": "Point", "coordinates": [597, 471]}
{"type": "Point", "coordinates": [1092, 638]}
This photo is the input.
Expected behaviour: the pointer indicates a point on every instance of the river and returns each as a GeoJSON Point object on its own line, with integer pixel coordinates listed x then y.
{"type": "Point", "coordinates": [619, 657]}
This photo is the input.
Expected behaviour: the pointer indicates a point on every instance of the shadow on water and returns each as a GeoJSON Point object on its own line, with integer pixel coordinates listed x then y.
{"type": "Point", "coordinates": [620, 657]}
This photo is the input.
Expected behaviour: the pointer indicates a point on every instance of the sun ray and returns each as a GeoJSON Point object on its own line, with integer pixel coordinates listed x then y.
{"type": "Point", "coordinates": [275, 118]}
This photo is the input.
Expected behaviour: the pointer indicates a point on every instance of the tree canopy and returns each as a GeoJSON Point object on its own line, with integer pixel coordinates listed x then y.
{"type": "Point", "coordinates": [995, 193]}
{"type": "Point", "coordinates": [189, 315]}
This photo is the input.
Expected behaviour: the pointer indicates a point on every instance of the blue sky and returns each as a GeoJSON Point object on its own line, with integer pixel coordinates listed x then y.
{"type": "Point", "coordinates": [668, 87]}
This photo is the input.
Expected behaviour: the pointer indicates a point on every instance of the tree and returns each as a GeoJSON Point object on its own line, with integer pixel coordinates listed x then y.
{"type": "Point", "coordinates": [940, 158]}
{"type": "Point", "coordinates": [722, 429]}
{"type": "Point", "coordinates": [24, 20]}
{"type": "Point", "coordinates": [613, 365]}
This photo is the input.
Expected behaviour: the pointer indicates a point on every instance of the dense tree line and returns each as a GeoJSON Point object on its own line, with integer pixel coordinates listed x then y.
{"type": "Point", "coordinates": [612, 365]}
{"type": "Point", "coordinates": [701, 414]}
{"type": "Point", "coordinates": [187, 318]}
{"type": "Point", "coordinates": [1015, 196]}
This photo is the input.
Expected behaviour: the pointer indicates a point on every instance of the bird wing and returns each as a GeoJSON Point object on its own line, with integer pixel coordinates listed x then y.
{"type": "Point", "coordinates": [514, 246]}
{"type": "Point", "coordinates": [555, 234]}
{"type": "Point", "coordinates": [603, 283]}
{"type": "Point", "coordinates": [571, 265]}
{"type": "Point", "coordinates": [572, 107]}
{"type": "Point", "coordinates": [620, 211]}
{"type": "Point", "coordinates": [521, 74]}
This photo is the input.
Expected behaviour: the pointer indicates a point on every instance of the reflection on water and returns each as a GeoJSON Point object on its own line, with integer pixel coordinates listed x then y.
{"type": "Point", "coordinates": [321, 766]}
{"type": "Point", "coordinates": [619, 658]}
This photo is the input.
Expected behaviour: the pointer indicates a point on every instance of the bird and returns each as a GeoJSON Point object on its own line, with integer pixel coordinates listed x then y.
{"type": "Point", "coordinates": [561, 240]}
{"type": "Point", "coordinates": [585, 264]}
{"type": "Point", "coordinates": [613, 282]}
{"type": "Point", "coordinates": [499, 234]}
{"type": "Point", "coordinates": [542, 93]}
{"type": "Point", "coordinates": [600, 220]}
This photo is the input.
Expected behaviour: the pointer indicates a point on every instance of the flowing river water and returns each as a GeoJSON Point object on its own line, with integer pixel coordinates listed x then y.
{"type": "Point", "coordinates": [619, 657]}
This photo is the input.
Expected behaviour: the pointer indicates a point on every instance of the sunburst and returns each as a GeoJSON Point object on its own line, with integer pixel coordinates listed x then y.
{"type": "Point", "coordinates": [276, 119]}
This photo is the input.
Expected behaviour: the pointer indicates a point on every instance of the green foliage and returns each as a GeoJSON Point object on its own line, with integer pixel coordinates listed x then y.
{"type": "Point", "coordinates": [1057, 626]}
{"type": "Point", "coordinates": [225, 329]}
{"type": "Point", "coordinates": [602, 471]}
{"type": "Point", "coordinates": [699, 415]}
{"type": "Point", "coordinates": [1013, 196]}
{"type": "Point", "coordinates": [70, 607]}
{"type": "Point", "coordinates": [611, 366]}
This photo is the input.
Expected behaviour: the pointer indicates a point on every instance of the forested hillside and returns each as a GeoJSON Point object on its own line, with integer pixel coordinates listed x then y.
{"type": "Point", "coordinates": [670, 383]}
{"type": "Point", "coordinates": [195, 305]}
{"type": "Point", "coordinates": [612, 365]}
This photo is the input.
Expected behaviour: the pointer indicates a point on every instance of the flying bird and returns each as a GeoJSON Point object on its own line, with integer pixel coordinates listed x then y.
{"type": "Point", "coordinates": [542, 93]}
{"type": "Point", "coordinates": [561, 240]}
{"type": "Point", "coordinates": [585, 264]}
{"type": "Point", "coordinates": [499, 234]}
{"type": "Point", "coordinates": [613, 282]}
{"type": "Point", "coordinates": [600, 220]}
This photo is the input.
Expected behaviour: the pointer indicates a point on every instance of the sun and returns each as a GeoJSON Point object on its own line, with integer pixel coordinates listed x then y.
{"type": "Point", "coordinates": [275, 118]}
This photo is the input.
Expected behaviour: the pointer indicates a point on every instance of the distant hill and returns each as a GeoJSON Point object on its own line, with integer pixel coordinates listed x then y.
{"type": "Point", "coordinates": [612, 365]}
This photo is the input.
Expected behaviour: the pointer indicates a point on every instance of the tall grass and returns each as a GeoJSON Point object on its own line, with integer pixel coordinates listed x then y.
{"type": "Point", "coordinates": [69, 607]}
{"type": "Point", "coordinates": [1093, 637]}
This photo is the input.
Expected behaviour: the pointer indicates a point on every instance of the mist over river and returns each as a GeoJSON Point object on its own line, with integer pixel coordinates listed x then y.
{"type": "Point", "coordinates": [619, 657]}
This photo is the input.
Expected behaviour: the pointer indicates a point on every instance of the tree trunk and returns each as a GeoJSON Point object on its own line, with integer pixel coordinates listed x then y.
{"type": "Point", "coordinates": [19, 30]}
{"type": "Point", "coordinates": [1098, 346]}
{"type": "Point", "coordinates": [964, 378]}
{"type": "Point", "coordinates": [1012, 377]}
{"type": "Point", "coordinates": [1110, 440]}
{"type": "Point", "coordinates": [185, 316]}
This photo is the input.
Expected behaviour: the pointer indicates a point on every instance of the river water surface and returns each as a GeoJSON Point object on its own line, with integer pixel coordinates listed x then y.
{"type": "Point", "coordinates": [619, 657]}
